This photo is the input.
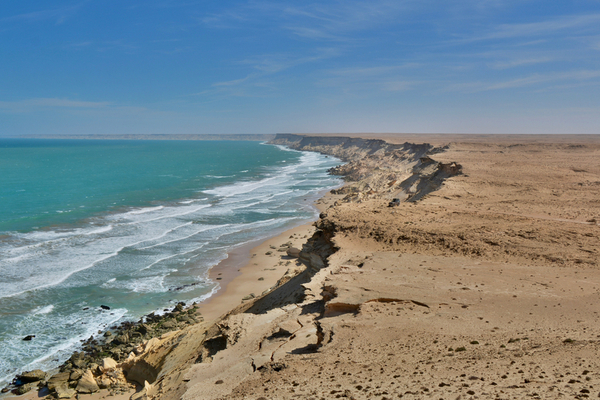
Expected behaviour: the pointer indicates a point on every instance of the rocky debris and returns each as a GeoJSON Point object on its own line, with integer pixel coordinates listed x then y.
{"type": "Point", "coordinates": [98, 365]}
{"type": "Point", "coordinates": [395, 202]}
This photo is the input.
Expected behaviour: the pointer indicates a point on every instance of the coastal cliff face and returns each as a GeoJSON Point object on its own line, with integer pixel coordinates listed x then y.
{"type": "Point", "coordinates": [378, 169]}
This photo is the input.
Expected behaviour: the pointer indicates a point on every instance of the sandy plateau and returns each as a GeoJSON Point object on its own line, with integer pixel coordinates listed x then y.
{"type": "Point", "coordinates": [484, 282]}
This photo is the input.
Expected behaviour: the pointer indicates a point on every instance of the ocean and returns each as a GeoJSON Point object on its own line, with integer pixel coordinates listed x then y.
{"type": "Point", "coordinates": [133, 225]}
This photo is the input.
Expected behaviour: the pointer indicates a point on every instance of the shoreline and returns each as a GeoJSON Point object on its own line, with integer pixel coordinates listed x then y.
{"type": "Point", "coordinates": [247, 269]}
{"type": "Point", "coordinates": [238, 275]}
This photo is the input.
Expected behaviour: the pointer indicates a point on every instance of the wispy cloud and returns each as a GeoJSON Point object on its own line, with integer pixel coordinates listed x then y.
{"type": "Point", "coordinates": [79, 45]}
{"type": "Point", "coordinates": [364, 81]}
{"type": "Point", "coordinates": [59, 15]}
{"type": "Point", "coordinates": [551, 80]}
{"type": "Point", "coordinates": [545, 78]}
{"type": "Point", "coordinates": [40, 103]}
{"type": "Point", "coordinates": [263, 67]}
{"type": "Point", "coordinates": [520, 62]}
{"type": "Point", "coordinates": [570, 23]}
{"type": "Point", "coordinates": [373, 71]}
{"type": "Point", "coordinates": [331, 21]}
{"type": "Point", "coordinates": [400, 86]}
{"type": "Point", "coordinates": [232, 82]}
{"type": "Point", "coordinates": [273, 63]}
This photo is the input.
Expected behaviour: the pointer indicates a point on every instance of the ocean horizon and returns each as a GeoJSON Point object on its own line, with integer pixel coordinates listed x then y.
{"type": "Point", "coordinates": [132, 225]}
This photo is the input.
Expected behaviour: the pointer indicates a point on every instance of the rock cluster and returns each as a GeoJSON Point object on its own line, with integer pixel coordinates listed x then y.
{"type": "Point", "coordinates": [98, 365]}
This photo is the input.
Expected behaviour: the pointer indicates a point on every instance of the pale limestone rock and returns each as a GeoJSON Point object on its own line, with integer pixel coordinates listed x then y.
{"type": "Point", "coordinates": [108, 363]}
{"type": "Point", "coordinates": [87, 383]}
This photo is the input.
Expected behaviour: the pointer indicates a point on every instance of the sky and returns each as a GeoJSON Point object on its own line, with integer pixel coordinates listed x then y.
{"type": "Point", "coordinates": [407, 66]}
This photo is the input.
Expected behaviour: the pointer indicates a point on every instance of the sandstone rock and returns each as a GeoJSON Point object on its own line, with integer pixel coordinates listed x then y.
{"type": "Point", "coordinates": [78, 360]}
{"type": "Point", "coordinates": [122, 339]}
{"type": "Point", "coordinates": [57, 379]}
{"type": "Point", "coordinates": [32, 376]}
{"type": "Point", "coordinates": [293, 252]}
{"type": "Point", "coordinates": [63, 391]}
{"type": "Point", "coordinates": [75, 375]}
{"type": "Point", "coordinates": [170, 324]}
{"type": "Point", "coordinates": [26, 388]}
{"type": "Point", "coordinates": [143, 394]}
{"type": "Point", "coordinates": [87, 383]}
{"type": "Point", "coordinates": [108, 363]}
{"type": "Point", "coordinates": [111, 378]}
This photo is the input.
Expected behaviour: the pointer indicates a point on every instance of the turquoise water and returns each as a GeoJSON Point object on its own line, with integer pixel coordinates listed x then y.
{"type": "Point", "coordinates": [134, 225]}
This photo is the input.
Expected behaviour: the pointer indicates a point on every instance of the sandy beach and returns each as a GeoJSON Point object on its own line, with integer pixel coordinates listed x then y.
{"type": "Point", "coordinates": [483, 282]}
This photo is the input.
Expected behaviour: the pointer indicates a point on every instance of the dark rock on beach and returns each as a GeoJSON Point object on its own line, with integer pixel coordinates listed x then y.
{"type": "Point", "coordinates": [26, 388]}
{"type": "Point", "coordinates": [32, 376]}
{"type": "Point", "coordinates": [28, 337]}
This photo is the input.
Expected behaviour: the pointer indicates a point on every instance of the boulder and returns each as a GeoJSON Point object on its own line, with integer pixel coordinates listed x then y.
{"type": "Point", "coordinates": [87, 383]}
{"type": "Point", "coordinates": [108, 363]}
{"type": "Point", "coordinates": [28, 337]}
{"type": "Point", "coordinates": [122, 339]}
{"type": "Point", "coordinates": [75, 374]}
{"type": "Point", "coordinates": [57, 379]}
{"type": "Point", "coordinates": [112, 378]}
{"type": "Point", "coordinates": [293, 252]}
{"type": "Point", "coordinates": [26, 388]}
{"type": "Point", "coordinates": [32, 376]}
{"type": "Point", "coordinates": [63, 391]}
{"type": "Point", "coordinates": [169, 324]}
{"type": "Point", "coordinates": [143, 329]}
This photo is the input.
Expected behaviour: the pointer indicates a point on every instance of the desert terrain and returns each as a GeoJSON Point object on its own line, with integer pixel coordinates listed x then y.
{"type": "Point", "coordinates": [482, 282]}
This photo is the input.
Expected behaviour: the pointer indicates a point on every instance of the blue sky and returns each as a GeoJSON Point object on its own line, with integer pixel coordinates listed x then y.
{"type": "Point", "coordinates": [160, 66]}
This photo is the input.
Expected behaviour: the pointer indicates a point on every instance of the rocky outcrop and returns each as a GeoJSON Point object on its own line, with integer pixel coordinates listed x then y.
{"type": "Point", "coordinates": [377, 169]}
{"type": "Point", "coordinates": [32, 376]}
